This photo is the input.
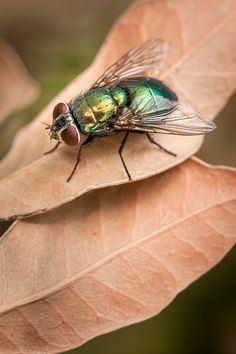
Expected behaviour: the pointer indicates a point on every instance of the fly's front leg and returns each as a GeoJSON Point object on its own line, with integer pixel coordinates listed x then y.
{"type": "Point", "coordinates": [161, 147]}
{"type": "Point", "coordinates": [87, 142]}
{"type": "Point", "coordinates": [53, 149]}
{"type": "Point", "coordinates": [122, 145]}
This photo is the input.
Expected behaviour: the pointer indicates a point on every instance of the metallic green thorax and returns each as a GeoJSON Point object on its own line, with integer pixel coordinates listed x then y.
{"type": "Point", "coordinates": [97, 107]}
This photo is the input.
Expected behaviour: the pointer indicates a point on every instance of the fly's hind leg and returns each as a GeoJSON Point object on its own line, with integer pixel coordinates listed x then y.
{"type": "Point", "coordinates": [122, 145]}
{"type": "Point", "coordinates": [53, 149]}
{"type": "Point", "coordinates": [161, 147]}
{"type": "Point", "coordinates": [87, 142]}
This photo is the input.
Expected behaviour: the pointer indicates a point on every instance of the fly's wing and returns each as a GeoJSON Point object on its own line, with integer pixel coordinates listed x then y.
{"type": "Point", "coordinates": [144, 59]}
{"type": "Point", "coordinates": [180, 121]}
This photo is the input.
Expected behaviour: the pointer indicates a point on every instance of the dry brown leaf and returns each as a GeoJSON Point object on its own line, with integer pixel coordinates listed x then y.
{"type": "Point", "coordinates": [112, 257]}
{"type": "Point", "coordinates": [201, 68]}
{"type": "Point", "coordinates": [201, 65]}
{"type": "Point", "coordinates": [17, 88]}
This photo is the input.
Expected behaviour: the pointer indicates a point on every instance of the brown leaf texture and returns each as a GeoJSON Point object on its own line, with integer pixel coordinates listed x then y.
{"type": "Point", "coordinates": [112, 257]}
{"type": "Point", "coordinates": [17, 88]}
{"type": "Point", "coordinates": [201, 68]}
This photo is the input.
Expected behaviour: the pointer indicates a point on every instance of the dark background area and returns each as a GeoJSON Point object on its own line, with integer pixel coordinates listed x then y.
{"type": "Point", "coordinates": [58, 39]}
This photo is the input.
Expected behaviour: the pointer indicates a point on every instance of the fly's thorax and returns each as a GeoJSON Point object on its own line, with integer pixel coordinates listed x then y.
{"type": "Point", "coordinates": [119, 95]}
{"type": "Point", "coordinates": [93, 109]}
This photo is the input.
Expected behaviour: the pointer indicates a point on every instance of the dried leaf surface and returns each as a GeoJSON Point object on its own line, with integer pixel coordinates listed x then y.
{"type": "Point", "coordinates": [201, 68]}
{"type": "Point", "coordinates": [112, 257]}
{"type": "Point", "coordinates": [17, 88]}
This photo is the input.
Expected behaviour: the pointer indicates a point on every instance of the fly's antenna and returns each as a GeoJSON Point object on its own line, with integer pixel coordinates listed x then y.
{"type": "Point", "coordinates": [48, 126]}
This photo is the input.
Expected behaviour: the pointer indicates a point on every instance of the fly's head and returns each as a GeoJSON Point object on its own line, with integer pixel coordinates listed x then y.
{"type": "Point", "coordinates": [63, 127]}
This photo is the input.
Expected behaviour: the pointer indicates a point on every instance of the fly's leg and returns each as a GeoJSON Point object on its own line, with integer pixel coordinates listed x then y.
{"type": "Point", "coordinates": [53, 149]}
{"type": "Point", "coordinates": [82, 146]}
{"type": "Point", "coordinates": [161, 147]}
{"type": "Point", "coordinates": [122, 145]}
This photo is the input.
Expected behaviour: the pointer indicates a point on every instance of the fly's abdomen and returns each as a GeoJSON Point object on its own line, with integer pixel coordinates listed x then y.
{"type": "Point", "coordinates": [96, 107]}
{"type": "Point", "coordinates": [147, 95]}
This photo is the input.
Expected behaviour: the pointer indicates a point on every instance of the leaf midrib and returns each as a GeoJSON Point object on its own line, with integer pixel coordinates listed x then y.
{"type": "Point", "coordinates": [104, 259]}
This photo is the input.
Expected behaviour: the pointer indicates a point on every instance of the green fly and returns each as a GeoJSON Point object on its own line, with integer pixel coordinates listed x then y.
{"type": "Point", "coordinates": [125, 98]}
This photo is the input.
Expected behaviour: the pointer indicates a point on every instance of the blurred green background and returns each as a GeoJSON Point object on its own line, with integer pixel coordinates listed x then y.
{"type": "Point", "coordinates": [58, 39]}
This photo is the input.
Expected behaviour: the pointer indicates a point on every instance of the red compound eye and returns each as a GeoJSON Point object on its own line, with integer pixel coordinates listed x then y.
{"type": "Point", "coordinates": [59, 109]}
{"type": "Point", "coordinates": [70, 136]}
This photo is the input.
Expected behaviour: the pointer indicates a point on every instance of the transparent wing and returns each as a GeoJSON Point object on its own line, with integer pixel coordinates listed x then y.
{"type": "Point", "coordinates": [180, 121]}
{"type": "Point", "coordinates": [144, 59]}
